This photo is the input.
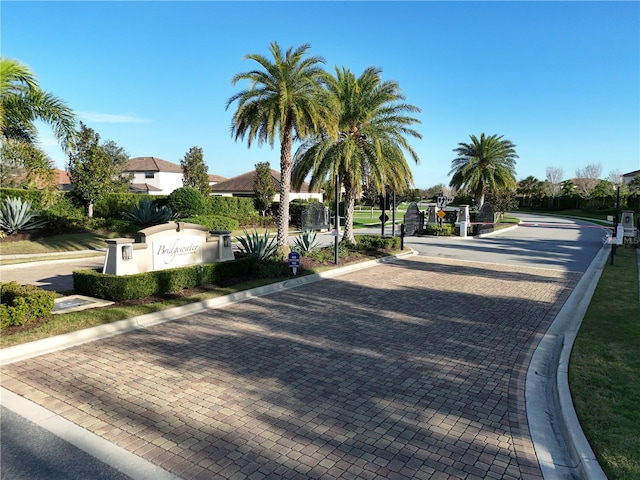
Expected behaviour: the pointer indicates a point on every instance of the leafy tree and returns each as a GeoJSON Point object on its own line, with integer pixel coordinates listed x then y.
{"type": "Point", "coordinates": [22, 102]}
{"type": "Point", "coordinates": [371, 144]}
{"type": "Point", "coordinates": [603, 190]}
{"type": "Point", "coordinates": [263, 188]}
{"type": "Point", "coordinates": [435, 191]}
{"type": "Point", "coordinates": [95, 170]}
{"type": "Point", "coordinates": [283, 102]}
{"type": "Point", "coordinates": [194, 171]}
{"type": "Point", "coordinates": [186, 202]}
{"type": "Point", "coordinates": [502, 200]}
{"type": "Point", "coordinates": [485, 163]}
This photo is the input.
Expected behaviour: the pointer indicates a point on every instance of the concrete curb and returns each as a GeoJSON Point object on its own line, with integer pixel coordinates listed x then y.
{"type": "Point", "coordinates": [561, 446]}
{"type": "Point", "coordinates": [116, 457]}
{"type": "Point", "coordinates": [60, 342]}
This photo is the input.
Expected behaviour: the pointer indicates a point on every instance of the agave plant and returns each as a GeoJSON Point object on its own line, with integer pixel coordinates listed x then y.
{"type": "Point", "coordinates": [259, 246]}
{"type": "Point", "coordinates": [307, 242]}
{"type": "Point", "coordinates": [17, 216]}
{"type": "Point", "coordinates": [148, 213]}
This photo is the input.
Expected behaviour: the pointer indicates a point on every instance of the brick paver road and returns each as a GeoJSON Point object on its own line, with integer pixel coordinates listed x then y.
{"type": "Point", "coordinates": [413, 369]}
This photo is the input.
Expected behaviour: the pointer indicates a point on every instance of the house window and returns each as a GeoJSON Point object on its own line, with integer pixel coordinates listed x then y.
{"type": "Point", "coordinates": [149, 174]}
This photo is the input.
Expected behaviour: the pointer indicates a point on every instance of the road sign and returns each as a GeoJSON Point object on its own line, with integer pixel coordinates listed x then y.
{"type": "Point", "coordinates": [383, 218]}
{"type": "Point", "coordinates": [441, 202]}
{"type": "Point", "coordinates": [294, 261]}
{"type": "Point", "coordinates": [441, 213]}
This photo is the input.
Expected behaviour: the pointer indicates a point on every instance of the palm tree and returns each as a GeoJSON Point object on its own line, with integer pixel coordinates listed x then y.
{"type": "Point", "coordinates": [528, 187]}
{"type": "Point", "coordinates": [284, 102]}
{"type": "Point", "coordinates": [23, 102]}
{"type": "Point", "coordinates": [488, 162]}
{"type": "Point", "coordinates": [371, 140]}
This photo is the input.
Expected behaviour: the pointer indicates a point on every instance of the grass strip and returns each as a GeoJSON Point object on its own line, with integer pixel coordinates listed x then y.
{"type": "Point", "coordinates": [604, 371]}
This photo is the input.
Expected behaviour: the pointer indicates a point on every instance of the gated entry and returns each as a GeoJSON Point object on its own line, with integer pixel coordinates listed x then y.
{"type": "Point", "coordinates": [413, 220]}
{"type": "Point", "coordinates": [316, 217]}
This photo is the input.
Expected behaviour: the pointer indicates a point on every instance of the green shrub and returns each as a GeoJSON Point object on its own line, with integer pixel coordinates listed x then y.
{"type": "Point", "coordinates": [186, 202]}
{"type": "Point", "coordinates": [122, 227]}
{"type": "Point", "coordinates": [136, 286]}
{"type": "Point", "coordinates": [17, 215]}
{"type": "Point", "coordinates": [377, 242]}
{"type": "Point", "coordinates": [141, 285]}
{"type": "Point", "coordinates": [113, 204]}
{"type": "Point", "coordinates": [440, 230]}
{"type": "Point", "coordinates": [238, 208]}
{"type": "Point", "coordinates": [21, 304]}
{"type": "Point", "coordinates": [26, 195]}
{"type": "Point", "coordinates": [218, 272]}
{"type": "Point", "coordinates": [64, 206]}
{"type": "Point", "coordinates": [147, 213]}
{"type": "Point", "coordinates": [261, 247]}
{"type": "Point", "coordinates": [214, 222]}
{"type": "Point", "coordinates": [307, 242]}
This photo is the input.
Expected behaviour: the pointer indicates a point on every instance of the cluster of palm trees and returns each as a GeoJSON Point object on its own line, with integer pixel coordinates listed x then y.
{"type": "Point", "coordinates": [353, 129]}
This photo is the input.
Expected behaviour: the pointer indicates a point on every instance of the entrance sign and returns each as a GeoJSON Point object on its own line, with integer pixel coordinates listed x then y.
{"type": "Point", "coordinates": [169, 245]}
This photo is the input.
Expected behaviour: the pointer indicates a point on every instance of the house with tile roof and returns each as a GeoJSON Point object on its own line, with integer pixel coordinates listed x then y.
{"type": "Point", "coordinates": [242, 186]}
{"type": "Point", "coordinates": [154, 176]}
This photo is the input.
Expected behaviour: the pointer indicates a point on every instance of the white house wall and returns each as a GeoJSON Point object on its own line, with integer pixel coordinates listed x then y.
{"type": "Point", "coordinates": [167, 182]}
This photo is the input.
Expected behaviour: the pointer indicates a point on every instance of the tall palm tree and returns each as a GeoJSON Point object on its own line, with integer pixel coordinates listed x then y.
{"type": "Point", "coordinates": [284, 102]}
{"type": "Point", "coordinates": [371, 143]}
{"type": "Point", "coordinates": [22, 102]}
{"type": "Point", "coordinates": [487, 162]}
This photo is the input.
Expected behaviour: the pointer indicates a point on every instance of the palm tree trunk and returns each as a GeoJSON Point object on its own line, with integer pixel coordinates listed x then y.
{"type": "Point", "coordinates": [285, 187]}
{"type": "Point", "coordinates": [349, 208]}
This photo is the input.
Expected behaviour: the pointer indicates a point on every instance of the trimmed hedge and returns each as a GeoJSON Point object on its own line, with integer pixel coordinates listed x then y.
{"type": "Point", "coordinates": [32, 195]}
{"type": "Point", "coordinates": [377, 242]}
{"type": "Point", "coordinates": [213, 222]}
{"type": "Point", "coordinates": [21, 304]}
{"type": "Point", "coordinates": [141, 285]}
{"type": "Point", "coordinates": [445, 229]}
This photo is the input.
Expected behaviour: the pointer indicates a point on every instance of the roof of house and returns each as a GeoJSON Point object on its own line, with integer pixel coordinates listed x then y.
{"type": "Point", "coordinates": [216, 178]}
{"type": "Point", "coordinates": [143, 187]}
{"type": "Point", "coordinates": [152, 164]}
{"type": "Point", "coordinates": [62, 177]}
{"type": "Point", "coordinates": [631, 174]}
{"type": "Point", "coordinates": [244, 183]}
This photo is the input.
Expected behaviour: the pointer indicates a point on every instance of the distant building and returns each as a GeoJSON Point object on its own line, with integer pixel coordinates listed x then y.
{"type": "Point", "coordinates": [213, 179]}
{"type": "Point", "coordinates": [62, 180]}
{"type": "Point", "coordinates": [242, 186]}
{"type": "Point", "coordinates": [154, 176]}
{"type": "Point", "coordinates": [627, 177]}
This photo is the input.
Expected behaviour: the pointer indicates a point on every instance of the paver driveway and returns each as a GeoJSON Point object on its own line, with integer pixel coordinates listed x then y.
{"type": "Point", "coordinates": [413, 369]}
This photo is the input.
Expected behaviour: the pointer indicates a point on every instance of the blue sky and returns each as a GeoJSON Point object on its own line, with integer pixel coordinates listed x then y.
{"type": "Point", "coordinates": [561, 80]}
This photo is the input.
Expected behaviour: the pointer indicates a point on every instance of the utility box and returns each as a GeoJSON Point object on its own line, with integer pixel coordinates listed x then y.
{"type": "Point", "coordinates": [630, 232]}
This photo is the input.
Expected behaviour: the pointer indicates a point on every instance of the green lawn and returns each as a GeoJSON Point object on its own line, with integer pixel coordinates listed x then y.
{"type": "Point", "coordinates": [604, 371]}
{"type": "Point", "coordinates": [56, 243]}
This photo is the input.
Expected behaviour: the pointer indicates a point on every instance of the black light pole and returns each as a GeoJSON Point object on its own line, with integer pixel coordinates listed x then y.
{"type": "Point", "coordinates": [337, 222]}
{"type": "Point", "coordinates": [393, 215]}
{"type": "Point", "coordinates": [383, 202]}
